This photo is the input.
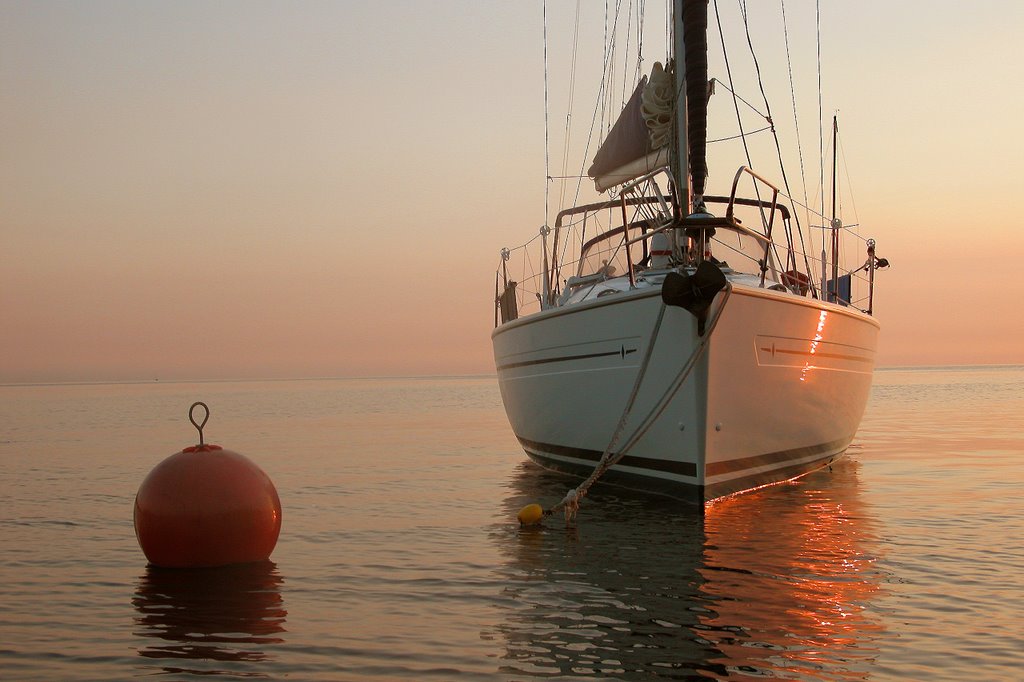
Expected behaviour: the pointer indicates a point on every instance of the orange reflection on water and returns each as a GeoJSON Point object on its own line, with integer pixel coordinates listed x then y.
{"type": "Point", "coordinates": [772, 583]}
{"type": "Point", "coordinates": [800, 599]}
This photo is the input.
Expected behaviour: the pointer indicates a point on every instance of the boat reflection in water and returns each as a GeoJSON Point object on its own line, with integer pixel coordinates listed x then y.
{"type": "Point", "coordinates": [769, 583]}
{"type": "Point", "coordinates": [226, 614]}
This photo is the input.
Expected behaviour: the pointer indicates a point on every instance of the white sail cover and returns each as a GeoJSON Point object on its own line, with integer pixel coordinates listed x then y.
{"type": "Point", "coordinates": [657, 106]}
{"type": "Point", "coordinates": [638, 142]}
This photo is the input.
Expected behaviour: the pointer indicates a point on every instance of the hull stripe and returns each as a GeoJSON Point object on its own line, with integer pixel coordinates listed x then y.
{"type": "Point", "coordinates": [815, 354]}
{"type": "Point", "coordinates": [690, 469]}
{"type": "Point", "coordinates": [742, 483]}
{"type": "Point", "coordinates": [679, 468]}
{"type": "Point", "coordinates": [734, 465]}
{"type": "Point", "coordinates": [622, 352]}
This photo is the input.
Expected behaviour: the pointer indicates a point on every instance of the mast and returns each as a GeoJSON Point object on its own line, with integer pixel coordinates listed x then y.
{"type": "Point", "coordinates": [695, 26]}
{"type": "Point", "coordinates": [690, 44]}
{"type": "Point", "coordinates": [681, 159]}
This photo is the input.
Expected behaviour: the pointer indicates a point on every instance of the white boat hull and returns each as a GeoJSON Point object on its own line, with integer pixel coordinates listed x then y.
{"type": "Point", "coordinates": [779, 391]}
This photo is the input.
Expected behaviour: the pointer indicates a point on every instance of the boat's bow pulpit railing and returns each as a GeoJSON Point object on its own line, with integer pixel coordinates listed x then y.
{"type": "Point", "coordinates": [626, 226]}
{"type": "Point", "coordinates": [644, 209]}
{"type": "Point", "coordinates": [701, 226]}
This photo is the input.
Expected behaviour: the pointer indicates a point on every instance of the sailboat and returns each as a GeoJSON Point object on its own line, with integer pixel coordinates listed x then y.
{"type": "Point", "coordinates": [693, 346]}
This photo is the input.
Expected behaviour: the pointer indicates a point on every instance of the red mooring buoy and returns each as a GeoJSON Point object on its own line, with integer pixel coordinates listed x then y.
{"type": "Point", "coordinates": [206, 506]}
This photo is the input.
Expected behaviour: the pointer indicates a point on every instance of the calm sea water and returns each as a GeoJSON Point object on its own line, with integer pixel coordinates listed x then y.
{"type": "Point", "coordinates": [400, 558]}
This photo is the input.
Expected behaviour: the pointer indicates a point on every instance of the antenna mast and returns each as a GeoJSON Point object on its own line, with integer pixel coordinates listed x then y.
{"type": "Point", "coordinates": [836, 222]}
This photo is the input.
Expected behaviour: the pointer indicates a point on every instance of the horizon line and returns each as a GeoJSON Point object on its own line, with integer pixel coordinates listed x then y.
{"type": "Point", "coordinates": [133, 382]}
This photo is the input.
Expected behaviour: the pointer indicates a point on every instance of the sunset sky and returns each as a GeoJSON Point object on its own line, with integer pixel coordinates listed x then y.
{"type": "Point", "coordinates": [194, 190]}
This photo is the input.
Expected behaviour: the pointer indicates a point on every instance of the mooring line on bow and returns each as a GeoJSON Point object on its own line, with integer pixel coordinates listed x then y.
{"type": "Point", "coordinates": [534, 513]}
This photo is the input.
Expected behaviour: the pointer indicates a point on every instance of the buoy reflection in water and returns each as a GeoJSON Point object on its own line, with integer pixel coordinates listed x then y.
{"type": "Point", "coordinates": [226, 614]}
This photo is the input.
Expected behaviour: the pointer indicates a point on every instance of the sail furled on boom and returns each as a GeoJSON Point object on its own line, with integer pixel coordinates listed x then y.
{"type": "Point", "coordinates": [695, 37]}
{"type": "Point", "coordinates": [638, 142]}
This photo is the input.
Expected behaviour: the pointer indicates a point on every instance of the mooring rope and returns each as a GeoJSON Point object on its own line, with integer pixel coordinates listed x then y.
{"type": "Point", "coordinates": [571, 502]}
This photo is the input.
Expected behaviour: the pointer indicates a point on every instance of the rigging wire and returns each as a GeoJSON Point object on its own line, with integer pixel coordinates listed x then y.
{"type": "Point", "coordinates": [732, 89]}
{"type": "Point", "coordinates": [632, 10]}
{"type": "Point", "coordinates": [791, 257]}
{"type": "Point", "coordinates": [600, 108]}
{"type": "Point", "coordinates": [547, 146]}
{"type": "Point", "coordinates": [734, 137]}
{"type": "Point", "coordinates": [603, 92]}
{"type": "Point", "coordinates": [604, 54]}
{"type": "Point", "coordinates": [625, 54]}
{"type": "Point", "coordinates": [821, 132]}
{"type": "Point", "coordinates": [849, 192]}
{"type": "Point", "coordinates": [740, 98]}
{"type": "Point", "coordinates": [641, 13]}
{"type": "Point", "coordinates": [668, 23]}
{"type": "Point", "coordinates": [609, 73]}
{"type": "Point", "coordinates": [849, 185]}
{"type": "Point", "coordinates": [569, 106]}
{"type": "Point", "coordinates": [736, 106]}
{"type": "Point", "coordinates": [796, 119]}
